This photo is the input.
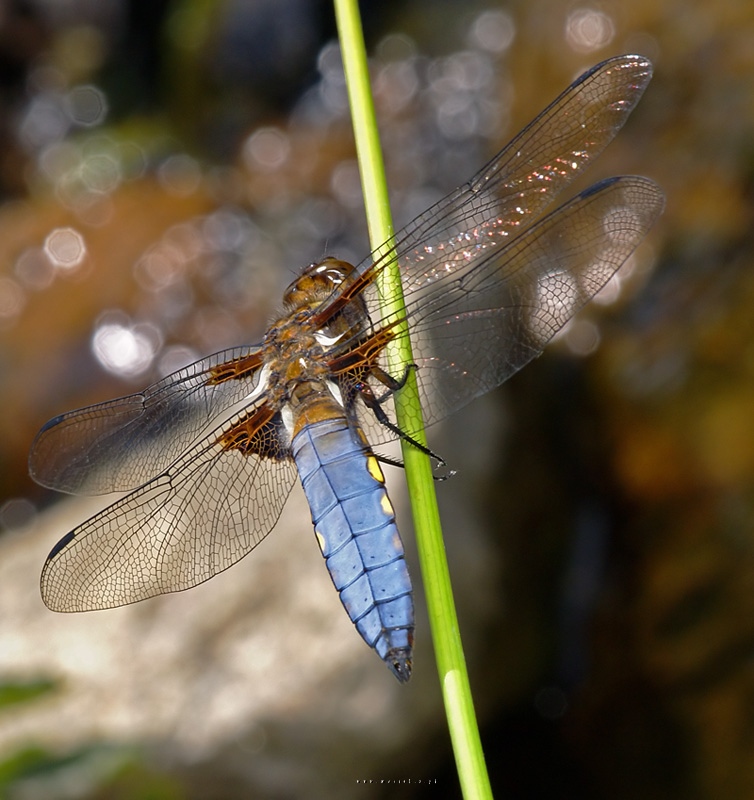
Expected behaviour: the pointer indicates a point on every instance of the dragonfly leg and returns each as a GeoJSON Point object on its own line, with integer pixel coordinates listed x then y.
{"type": "Point", "coordinates": [393, 462]}
{"type": "Point", "coordinates": [397, 462]}
{"type": "Point", "coordinates": [393, 384]}
{"type": "Point", "coordinates": [374, 404]}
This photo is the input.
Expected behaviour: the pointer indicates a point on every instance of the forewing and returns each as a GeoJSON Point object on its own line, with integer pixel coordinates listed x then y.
{"type": "Point", "coordinates": [200, 516]}
{"type": "Point", "coordinates": [122, 443]}
{"type": "Point", "coordinates": [516, 186]}
{"type": "Point", "coordinates": [510, 192]}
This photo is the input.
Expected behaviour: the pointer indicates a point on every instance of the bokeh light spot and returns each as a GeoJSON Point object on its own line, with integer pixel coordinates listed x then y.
{"type": "Point", "coordinates": [87, 106]}
{"type": "Point", "coordinates": [45, 121]}
{"type": "Point", "coordinates": [493, 31]}
{"type": "Point", "coordinates": [175, 358]}
{"type": "Point", "coordinates": [266, 150]}
{"type": "Point", "coordinates": [65, 248]}
{"type": "Point", "coordinates": [180, 175]}
{"type": "Point", "coordinates": [551, 702]}
{"type": "Point", "coordinates": [587, 29]}
{"type": "Point", "coordinates": [34, 269]}
{"type": "Point", "coordinates": [100, 173]}
{"type": "Point", "coordinates": [582, 337]}
{"type": "Point", "coordinates": [346, 185]}
{"type": "Point", "coordinates": [122, 348]}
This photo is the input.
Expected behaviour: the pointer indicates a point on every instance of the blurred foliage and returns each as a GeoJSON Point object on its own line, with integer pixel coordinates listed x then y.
{"type": "Point", "coordinates": [12, 693]}
{"type": "Point", "coordinates": [92, 772]}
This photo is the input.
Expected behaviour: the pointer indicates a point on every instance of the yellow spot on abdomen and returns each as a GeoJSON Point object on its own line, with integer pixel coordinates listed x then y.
{"type": "Point", "coordinates": [374, 469]}
{"type": "Point", "coordinates": [320, 540]}
{"type": "Point", "coordinates": [386, 505]}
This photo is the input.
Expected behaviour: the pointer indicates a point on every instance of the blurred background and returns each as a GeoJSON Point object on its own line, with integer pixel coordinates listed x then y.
{"type": "Point", "coordinates": [166, 168]}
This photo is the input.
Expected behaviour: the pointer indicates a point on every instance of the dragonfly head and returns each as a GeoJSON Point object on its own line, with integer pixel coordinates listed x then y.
{"type": "Point", "coordinates": [316, 283]}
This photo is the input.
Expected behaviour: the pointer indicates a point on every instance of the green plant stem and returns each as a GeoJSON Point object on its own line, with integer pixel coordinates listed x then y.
{"type": "Point", "coordinates": [451, 665]}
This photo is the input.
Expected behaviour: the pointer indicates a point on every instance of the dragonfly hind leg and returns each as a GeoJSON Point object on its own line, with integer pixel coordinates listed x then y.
{"type": "Point", "coordinates": [374, 404]}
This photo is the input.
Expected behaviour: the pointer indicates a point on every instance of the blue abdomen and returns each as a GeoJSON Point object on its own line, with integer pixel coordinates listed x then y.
{"type": "Point", "coordinates": [355, 527]}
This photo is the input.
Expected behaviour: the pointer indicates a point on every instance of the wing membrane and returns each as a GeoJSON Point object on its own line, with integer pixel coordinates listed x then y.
{"type": "Point", "coordinates": [201, 515]}
{"type": "Point", "coordinates": [512, 303]}
{"type": "Point", "coordinates": [509, 193]}
{"type": "Point", "coordinates": [121, 444]}
{"type": "Point", "coordinates": [476, 324]}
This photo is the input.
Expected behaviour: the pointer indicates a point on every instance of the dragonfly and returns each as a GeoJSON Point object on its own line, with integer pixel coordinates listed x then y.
{"type": "Point", "coordinates": [209, 454]}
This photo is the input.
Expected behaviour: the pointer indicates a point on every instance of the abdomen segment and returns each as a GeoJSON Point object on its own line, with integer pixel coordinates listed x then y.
{"type": "Point", "coordinates": [355, 527]}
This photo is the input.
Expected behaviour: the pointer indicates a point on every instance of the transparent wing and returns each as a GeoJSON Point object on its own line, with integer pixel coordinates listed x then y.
{"type": "Point", "coordinates": [120, 444]}
{"type": "Point", "coordinates": [487, 281]}
{"type": "Point", "coordinates": [510, 193]}
{"type": "Point", "coordinates": [473, 329]}
{"type": "Point", "coordinates": [200, 516]}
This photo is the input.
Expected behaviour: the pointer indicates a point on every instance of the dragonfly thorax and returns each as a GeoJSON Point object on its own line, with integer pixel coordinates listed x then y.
{"type": "Point", "coordinates": [298, 347]}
